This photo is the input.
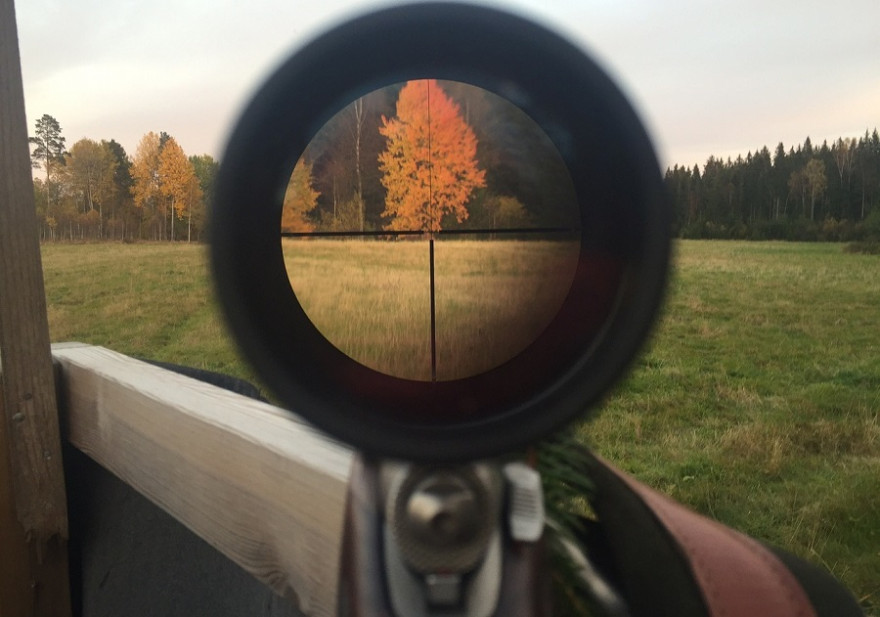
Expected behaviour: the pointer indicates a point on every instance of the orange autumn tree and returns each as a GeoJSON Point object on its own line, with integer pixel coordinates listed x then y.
{"type": "Point", "coordinates": [429, 166]}
{"type": "Point", "coordinates": [299, 199]}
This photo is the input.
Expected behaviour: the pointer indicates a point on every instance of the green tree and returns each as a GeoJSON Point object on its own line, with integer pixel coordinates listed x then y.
{"type": "Point", "coordinates": [89, 174]}
{"type": "Point", "coordinates": [205, 168]}
{"type": "Point", "coordinates": [797, 185]}
{"type": "Point", "coordinates": [48, 224]}
{"type": "Point", "coordinates": [779, 182]}
{"type": "Point", "coordinates": [868, 164]}
{"type": "Point", "coordinates": [816, 183]}
{"type": "Point", "coordinates": [844, 153]}
{"type": "Point", "coordinates": [122, 212]}
{"type": "Point", "coordinates": [48, 151]}
{"type": "Point", "coordinates": [506, 212]}
{"type": "Point", "coordinates": [345, 217]}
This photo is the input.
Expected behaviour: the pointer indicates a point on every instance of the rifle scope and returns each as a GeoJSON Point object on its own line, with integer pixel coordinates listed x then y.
{"type": "Point", "coordinates": [440, 232]}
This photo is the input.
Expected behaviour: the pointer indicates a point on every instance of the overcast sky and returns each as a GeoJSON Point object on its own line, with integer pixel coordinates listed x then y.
{"type": "Point", "coordinates": [707, 76]}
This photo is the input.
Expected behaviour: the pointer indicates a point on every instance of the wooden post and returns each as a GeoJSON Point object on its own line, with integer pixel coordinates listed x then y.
{"type": "Point", "coordinates": [33, 510]}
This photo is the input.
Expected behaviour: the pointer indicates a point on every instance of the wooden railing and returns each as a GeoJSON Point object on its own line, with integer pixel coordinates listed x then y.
{"type": "Point", "coordinates": [247, 477]}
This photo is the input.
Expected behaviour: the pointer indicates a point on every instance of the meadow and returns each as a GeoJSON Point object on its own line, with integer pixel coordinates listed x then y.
{"type": "Point", "coordinates": [372, 299]}
{"type": "Point", "coordinates": [757, 401]}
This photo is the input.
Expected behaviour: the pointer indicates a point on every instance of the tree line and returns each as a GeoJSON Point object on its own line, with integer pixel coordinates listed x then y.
{"type": "Point", "coordinates": [491, 167]}
{"type": "Point", "coordinates": [830, 192]}
{"type": "Point", "coordinates": [424, 155]}
{"type": "Point", "coordinates": [95, 190]}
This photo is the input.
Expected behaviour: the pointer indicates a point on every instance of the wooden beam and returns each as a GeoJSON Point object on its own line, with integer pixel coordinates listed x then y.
{"type": "Point", "coordinates": [33, 509]}
{"type": "Point", "coordinates": [259, 485]}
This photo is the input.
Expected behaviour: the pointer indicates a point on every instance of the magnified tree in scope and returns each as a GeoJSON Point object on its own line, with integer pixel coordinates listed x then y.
{"type": "Point", "coordinates": [430, 164]}
{"type": "Point", "coordinates": [485, 189]}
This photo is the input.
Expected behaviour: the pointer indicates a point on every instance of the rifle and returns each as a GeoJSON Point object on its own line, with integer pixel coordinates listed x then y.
{"type": "Point", "coordinates": [446, 512]}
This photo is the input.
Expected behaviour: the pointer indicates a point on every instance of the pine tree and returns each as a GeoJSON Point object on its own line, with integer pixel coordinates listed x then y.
{"type": "Point", "coordinates": [49, 151]}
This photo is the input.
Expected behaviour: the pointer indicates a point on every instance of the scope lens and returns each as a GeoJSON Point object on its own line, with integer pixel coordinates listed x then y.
{"type": "Point", "coordinates": [431, 230]}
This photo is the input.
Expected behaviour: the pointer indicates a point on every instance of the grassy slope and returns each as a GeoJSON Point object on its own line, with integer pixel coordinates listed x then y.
{"type": "Point", "coordinates": [757, 402]}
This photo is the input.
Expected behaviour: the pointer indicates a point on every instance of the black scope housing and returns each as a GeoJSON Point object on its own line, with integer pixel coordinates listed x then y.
{"type": "Point", "coordinates": [622, 224]}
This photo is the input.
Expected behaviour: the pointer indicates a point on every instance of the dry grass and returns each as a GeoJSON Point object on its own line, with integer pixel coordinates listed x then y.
{"type": "Point", "coordinates": [371, 298]}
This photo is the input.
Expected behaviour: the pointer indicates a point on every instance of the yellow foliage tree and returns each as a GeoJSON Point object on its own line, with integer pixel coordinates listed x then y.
{"type": "Point", "coordinates": [430, 164]}
{"type": "Point", "coordinates": [176, 180]}
{"type": "Point", "coordinates": [299, 200]}
{"type": "Point", "coordinates": [145, 172]}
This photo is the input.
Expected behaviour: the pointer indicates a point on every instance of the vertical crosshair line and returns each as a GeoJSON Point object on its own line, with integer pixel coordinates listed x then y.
{"type": "Point", "coordinates": [431, 239]}
{"type": "Point", "coordinates": [433, 313]}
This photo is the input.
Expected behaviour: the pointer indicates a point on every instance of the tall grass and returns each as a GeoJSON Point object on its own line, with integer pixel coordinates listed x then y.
{"type": "Point", "coordinates": [372, 299]}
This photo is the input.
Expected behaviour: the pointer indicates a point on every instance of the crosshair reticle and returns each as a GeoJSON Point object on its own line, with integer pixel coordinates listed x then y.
{"type": "Point", "coordinates": [431, 230]}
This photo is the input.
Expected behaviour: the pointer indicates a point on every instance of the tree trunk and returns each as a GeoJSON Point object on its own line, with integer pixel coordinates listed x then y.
{"type": "Point", "coordinates": [359, 125]}
{"type": "Point", "coordinates": [804, 200]}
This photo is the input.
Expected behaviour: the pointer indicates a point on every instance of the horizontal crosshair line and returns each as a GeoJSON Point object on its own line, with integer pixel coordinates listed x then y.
{"type": "Point", "coordinates": [510, 230]}
{"type": "Point", "coordinates": [444, 232]}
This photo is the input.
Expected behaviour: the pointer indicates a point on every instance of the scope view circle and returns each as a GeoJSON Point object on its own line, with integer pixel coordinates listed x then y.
{"type": "Point", "coordinates": [430, 230]}
{"type": "Point", "coordinates": [596, 217]}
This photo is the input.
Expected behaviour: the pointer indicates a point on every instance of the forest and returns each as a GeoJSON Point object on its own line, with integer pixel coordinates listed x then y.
{"type": "Point", "coordinates": [804, 193]}
{"type": "Point", "coordinates": [431, 156]}
{"type": "Point", "coordinates": [96, 191]}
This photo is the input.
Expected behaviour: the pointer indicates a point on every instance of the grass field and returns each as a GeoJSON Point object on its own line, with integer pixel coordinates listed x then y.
{"type": "Point", "coordinates": [372, 299]}
{"type": "Point", "coordinates": [757, 402]}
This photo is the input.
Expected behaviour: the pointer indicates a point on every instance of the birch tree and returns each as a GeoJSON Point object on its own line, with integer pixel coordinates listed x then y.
{"type": "Point", "coordinates": [90, 169]}
{"type": "Point", "coordinates": [177, 181]}
{"type": "Point", "coordinates": [145, 174]}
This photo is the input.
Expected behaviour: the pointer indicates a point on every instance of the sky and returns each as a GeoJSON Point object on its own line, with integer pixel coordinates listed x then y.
{"type": "Point", "coordinates": [708, 77]}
